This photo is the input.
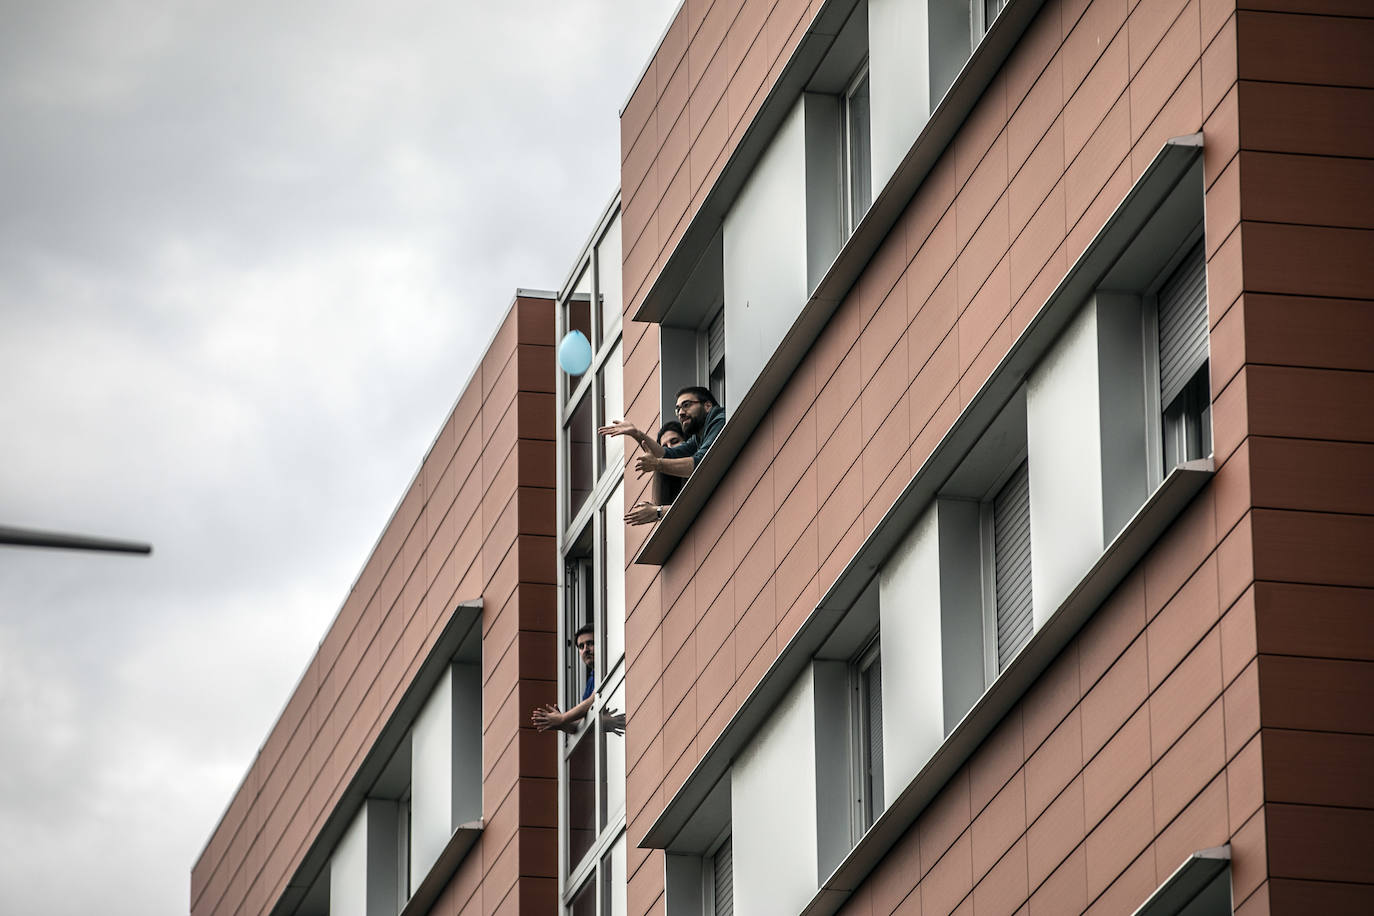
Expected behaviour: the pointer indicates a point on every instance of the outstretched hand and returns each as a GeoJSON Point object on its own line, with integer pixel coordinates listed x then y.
{"type": "Point", "coordinates": [642, 513]}
{"type": "Point", "coordinates": [613, 721]}
{"type": "Point", "coordinates": [620, 428]}
{"type": "Point", "coordinates": [547, 717]}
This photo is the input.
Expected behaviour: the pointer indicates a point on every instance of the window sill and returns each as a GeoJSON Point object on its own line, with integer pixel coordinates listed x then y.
{"type": "Point", "coordinates": [1135, 217]}
{"type": "Point", "coordinates": [887, 208]}
{"type": "Point", "coordinates": [443, 869]}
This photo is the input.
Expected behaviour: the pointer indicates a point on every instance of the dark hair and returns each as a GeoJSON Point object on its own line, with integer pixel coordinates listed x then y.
{"type": "Point", "coordinates": [701, 394]}
{"type": "Point", "coordinates": [672, 426]}
{"type": "Point", "coordinates": [585, 628]}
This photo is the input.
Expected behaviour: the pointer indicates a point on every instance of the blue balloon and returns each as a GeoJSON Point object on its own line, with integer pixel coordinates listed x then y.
{"type": "Point", "coordinates": [575, 353]}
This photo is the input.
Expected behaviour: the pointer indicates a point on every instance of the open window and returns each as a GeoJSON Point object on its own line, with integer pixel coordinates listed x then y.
{"type": "Point", "coordinates": [858, 161]}
{"type": "Point", "coordinates": [1184, 396]}
{"type": "Point", "coordinates": [866, 716]}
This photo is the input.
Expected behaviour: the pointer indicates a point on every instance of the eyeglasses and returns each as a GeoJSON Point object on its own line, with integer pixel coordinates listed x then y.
{"type": "Point", "coordinates": [682, 406]}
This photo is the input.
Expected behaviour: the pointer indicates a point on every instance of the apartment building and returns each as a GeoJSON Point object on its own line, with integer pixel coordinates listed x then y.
{"type": "Point", "coordinates": [402, 776]}
{"type": "Point", "coordinates": [1031, 570]}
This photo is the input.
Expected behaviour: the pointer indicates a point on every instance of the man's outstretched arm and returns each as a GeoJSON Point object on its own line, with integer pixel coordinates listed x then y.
{"type": "Point", "coordinates": [626, 428]}
{"type": "Point", "coordinates": [549, 717]}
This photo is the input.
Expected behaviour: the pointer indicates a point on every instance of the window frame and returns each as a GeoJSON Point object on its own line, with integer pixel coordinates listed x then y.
{"type": "Point", "coordinates": [583, 551]}
{"type": "Point", "coordinates": [1155, 463]}
{"type": "Point", "coordinates": [863, 811]}
{"type": "Point", "coordinates": [849, 218]}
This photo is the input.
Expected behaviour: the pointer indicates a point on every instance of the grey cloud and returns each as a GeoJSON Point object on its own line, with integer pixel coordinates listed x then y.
{"type": "Point", "coordinates": [249, 254]}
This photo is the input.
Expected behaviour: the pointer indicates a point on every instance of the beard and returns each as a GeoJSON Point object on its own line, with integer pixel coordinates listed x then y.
{"type": "Point", "coordinates": [690, 425]}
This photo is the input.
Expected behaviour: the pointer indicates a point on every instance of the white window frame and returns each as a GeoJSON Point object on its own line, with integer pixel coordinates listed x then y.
{"type": "Point", "coordinates": [979, 21]}
{"type": "Point", "coordinates": [582, 550]}
{"type": "Point", "coordinates": [849, 217]}
{"type": "Point", "coordinates": [866, 809]}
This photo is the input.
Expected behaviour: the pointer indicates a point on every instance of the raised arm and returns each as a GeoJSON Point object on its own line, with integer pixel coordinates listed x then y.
{"type": "Point", "coordinates": [626, 428]}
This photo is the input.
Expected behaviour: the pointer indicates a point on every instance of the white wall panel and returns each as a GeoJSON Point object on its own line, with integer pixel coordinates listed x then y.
{"type": "Point", "coordinates": [348, 870]}
{"type": "Point", "coordinates": [363, 870]}
{"type": "Point", "coordinates": [445, 765]}
{"type": "Point", "coordinates": [1064, 452]}
{"type": "Point", "coordinates": [909, 610]}
{"type": "Point", "coordinates": [764, 256]}
{"type": "Point", "coordinates": [773, 820]}
{"type": "Point", "coordinates": [899, 80]}
{"type": "Point", "coordinates": [431, 786]}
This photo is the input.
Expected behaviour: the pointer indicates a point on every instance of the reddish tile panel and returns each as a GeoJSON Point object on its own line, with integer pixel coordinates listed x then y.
{"type": "Point", "coordinates": [1317, 694]}
{"type": "Point", "coordinates": [1316, 120]}
{"type": "Point", "coordinates": [1317, 191]}
{"type": "Point", "coordinates": [1321, 50]}
{"type": "Point", "coordinates": [1288, 895]}
{"type": "Point", "coordinates": [1167, 64]}
{"type": "Point", "coordinates": [1313, 548]}
{"type": "Point", "coordinates": [1315, 768]}
{"type": "Point", "coordinates": [1320, 843]}
{"type": "Point", "coordinates": [1308, 260]}
{"type": "Point", "coordinates": [1123, 834]}
{"type": "Point", "coordinates": [1313, 620]}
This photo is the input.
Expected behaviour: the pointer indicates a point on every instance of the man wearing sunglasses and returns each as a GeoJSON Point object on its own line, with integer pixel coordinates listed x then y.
{"type": "Point", "coordinates": [701, 418]}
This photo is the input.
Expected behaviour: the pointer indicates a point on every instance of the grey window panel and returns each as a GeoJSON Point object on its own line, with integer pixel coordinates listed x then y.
{"type": "Point", "coordinates": [1182, 325]}
{"type": "Point", "coordinates": [723, 875]}
{"type": "Point", "coordinates": [873, 687]}
{"type": "Point", "coordinates": [1012, 565]}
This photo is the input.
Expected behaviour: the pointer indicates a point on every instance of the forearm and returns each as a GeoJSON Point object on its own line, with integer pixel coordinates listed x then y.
{"type": "Point", "coordinates": [676, 467]}
{"type": "Point", "coordinates": [573, 716]}
{"type": "Point", "coordinates": [650, 445]}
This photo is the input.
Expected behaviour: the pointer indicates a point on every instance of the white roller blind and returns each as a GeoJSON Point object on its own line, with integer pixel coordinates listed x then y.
{"type": "Point", "coordinates": [1012, 565]}
{"type": "Point", "coordinates": [1182, 325]}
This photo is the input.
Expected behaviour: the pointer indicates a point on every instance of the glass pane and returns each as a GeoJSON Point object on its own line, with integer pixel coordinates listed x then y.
{"type": "Point", "coordinates": [584, 904]}
{"type": "Point", "coordinates": [608, 278]}
{"type": "Point", "coordinates": [610, 380]}
{"type": "Point", "coordinates": [612, 722]}
{"type": "Point", "coordinates": [613, 880]}
{"type": "Point", "coordinates": [577, 314]}
{"type": "Point", "coordinates": [581, 798]}
{"type": "Point", "coordinates": [581, 473]}
{"type": "Point", "coordinates": [613, 574]}
{"type": "Point", "coordinates": [860, 167]}
{"type": "Point", "coordinates": [581, 591]}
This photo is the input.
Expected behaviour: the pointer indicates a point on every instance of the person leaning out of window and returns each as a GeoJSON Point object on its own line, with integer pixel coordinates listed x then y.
{"type": "Point", "coordinates": [701, 421]}
{"type": "Point", "coordinates": [646, 511]}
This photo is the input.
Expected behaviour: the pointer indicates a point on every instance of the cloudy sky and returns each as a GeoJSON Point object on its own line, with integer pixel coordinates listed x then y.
{"type": "Point", "coordinates": [249, 254]}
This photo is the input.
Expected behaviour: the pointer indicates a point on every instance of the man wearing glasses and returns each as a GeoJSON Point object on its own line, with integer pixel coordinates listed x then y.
{"type": "Point", "coordinates": [701, 418]}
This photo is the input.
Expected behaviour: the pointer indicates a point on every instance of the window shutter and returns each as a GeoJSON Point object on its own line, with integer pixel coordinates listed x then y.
{"type": "Point", "coordinates": [873, 687]}
{"type": "Point", "coordinates": [1012, 565]}
{"type": "Point", "coordinates": [1182, 325]}
{"type": "Point", "coordinates": [715, 340]}
{"type": "Point", "coordinates": [723, 872]}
